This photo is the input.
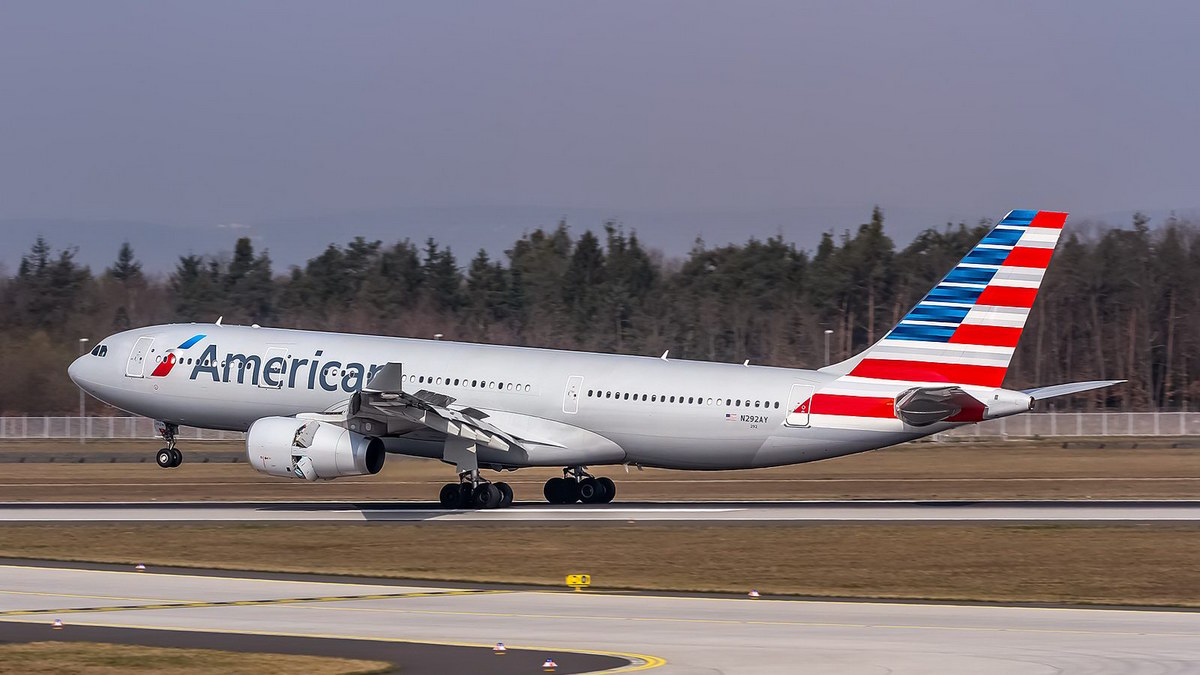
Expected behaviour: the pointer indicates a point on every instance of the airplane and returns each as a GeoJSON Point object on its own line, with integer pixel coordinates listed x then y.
{"type": "Point", "coordinates": [323, 405]}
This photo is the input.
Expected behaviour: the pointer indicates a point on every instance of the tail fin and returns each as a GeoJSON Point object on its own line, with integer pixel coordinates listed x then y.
{"type": "Point", "coordinates": [966, 329]}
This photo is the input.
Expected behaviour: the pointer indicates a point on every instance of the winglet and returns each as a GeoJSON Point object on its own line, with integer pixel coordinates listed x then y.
{"type": "Point", "coordinates": [387, 380]}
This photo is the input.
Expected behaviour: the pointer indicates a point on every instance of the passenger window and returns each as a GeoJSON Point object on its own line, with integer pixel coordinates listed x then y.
{"type": "Point", "coordinates": [526, 387]}
{"type": "Point", "coordinates": [653, 399]}
{"type": "Point", "coordinates": [626, 396]}
{"type": "Point", "coordinates": [756, 404]}
{"type": "Point", "coordinates": [691, 399]}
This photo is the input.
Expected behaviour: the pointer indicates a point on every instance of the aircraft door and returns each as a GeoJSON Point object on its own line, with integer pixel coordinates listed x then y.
{"type": "Point", "coordinates": [136, 366]}
{"type": "Point", "coordinates": [799, 405]}
{"type": "Point", "coordinates": [571, 395]}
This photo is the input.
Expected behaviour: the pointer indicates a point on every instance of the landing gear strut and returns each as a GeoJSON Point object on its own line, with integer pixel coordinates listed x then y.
{"type": "Point", "coordinates": [168, 457]}
{"type": "Point", "coordinates": [473, 492]}
{"type": "Point", "coordinates": [577, 485]}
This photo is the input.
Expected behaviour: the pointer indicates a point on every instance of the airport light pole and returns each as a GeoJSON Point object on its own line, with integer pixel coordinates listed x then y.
{"type": "Point", "coordinates": [82, 401]}
{"type": "Point", "coordinates": [828, 332]}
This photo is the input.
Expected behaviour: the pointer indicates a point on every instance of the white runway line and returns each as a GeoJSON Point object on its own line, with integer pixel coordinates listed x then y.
{"type": "Point", "coordinates": [849, 511]}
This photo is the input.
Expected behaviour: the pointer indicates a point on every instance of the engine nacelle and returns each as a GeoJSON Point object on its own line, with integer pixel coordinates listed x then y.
{"type": "Point", "coordinates": [309, 449]}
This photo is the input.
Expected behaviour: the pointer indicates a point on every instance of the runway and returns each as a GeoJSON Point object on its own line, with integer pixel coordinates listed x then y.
{"type": "Point", "coordinates": [676, 635]}
{"type": "Point", "coordinates": [867, 511]}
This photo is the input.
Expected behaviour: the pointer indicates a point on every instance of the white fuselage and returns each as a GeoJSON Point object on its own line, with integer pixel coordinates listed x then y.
{"type": "Point", "coordinates": [650, 411]}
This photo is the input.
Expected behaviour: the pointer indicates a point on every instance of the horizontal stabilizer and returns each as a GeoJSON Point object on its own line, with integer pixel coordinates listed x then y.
{"type": "Point", "coordinates": [1041, 393]}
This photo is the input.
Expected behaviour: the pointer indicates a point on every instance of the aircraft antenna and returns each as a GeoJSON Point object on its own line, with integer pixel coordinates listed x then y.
{"type": "Point", "coordinates": [664, 356]}
{"type": "Point", "coordinates": [219, 319]}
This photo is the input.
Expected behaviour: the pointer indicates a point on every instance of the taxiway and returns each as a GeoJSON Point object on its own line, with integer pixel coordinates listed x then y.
{"type": "Point", "coordinates": [674, 635]}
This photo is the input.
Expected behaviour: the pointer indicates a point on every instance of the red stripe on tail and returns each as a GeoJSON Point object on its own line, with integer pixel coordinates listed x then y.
{"type": "Point", "coordinates": [928, 371]}
{"type": "Point", "coordinates": [1007, 296]}
{"type": "Point", "coordinates": [1049, 219]}
{"type": "Point", "coordinates": [1023, 256]}
{"type": "Point", "coordinates": [994, 336]}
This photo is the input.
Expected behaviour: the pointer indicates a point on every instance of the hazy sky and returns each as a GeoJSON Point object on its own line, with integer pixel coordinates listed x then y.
{"type": "Point", "coordinates": [205, 113]}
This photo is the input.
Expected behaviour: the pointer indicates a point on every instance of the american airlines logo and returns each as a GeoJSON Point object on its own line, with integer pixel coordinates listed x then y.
{"type": "Point", "coordinates": [279, 371]}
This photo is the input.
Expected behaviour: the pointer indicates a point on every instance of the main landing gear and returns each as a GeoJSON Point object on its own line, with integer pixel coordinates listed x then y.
{"type": "Point", "coordinates": [473, 492]}
{"type": "Point", "coordinates": [168, 457]}
{"type": "Point", "coordinates": [577, 485]}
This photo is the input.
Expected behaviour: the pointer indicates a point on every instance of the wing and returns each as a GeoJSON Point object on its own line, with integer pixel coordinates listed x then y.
{"type": "Point", "coordinates": [383, 408]}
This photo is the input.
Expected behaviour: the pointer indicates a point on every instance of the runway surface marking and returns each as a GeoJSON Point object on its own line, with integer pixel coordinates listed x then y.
{"type": "Point", "coordinates": [698, 635]}
{"type": "Point", "coordinates": [243, 603]}
{"type": "Point", "coordinates": [638, 662]}
{"type": "Point", "coordinates": [733, 511]}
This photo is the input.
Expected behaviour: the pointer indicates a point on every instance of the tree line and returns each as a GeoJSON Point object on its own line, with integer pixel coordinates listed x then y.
{"type": "Point", "coordinates": [1116, 303]}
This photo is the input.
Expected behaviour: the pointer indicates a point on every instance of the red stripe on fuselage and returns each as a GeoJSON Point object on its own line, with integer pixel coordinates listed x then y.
{"type": "Point", "coordinates": [993, 336]}
{"type": "Point", "coordinates": [164, 366]}
{"type": "Point", "coordinates": [1024, 256]}
{"type": "Point", "coordinates": [1049, 219]}
{"type": "Point", "coordinates": [928, 371]}
{"type": "Point", "coordinates": [1007, 296]}
{"type": "Point", "coordinates": [855, 406]}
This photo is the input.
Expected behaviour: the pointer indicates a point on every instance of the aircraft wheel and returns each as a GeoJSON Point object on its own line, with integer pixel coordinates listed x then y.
{"type": "Point", "coordinates": [487, 496]}
{"type": "Point", "coordinates": [590, 491]}
{"type": "Point", "coordinates": [451, 496]}
{"type": "Point", "coordinates": [553, 490]}
{"type": "Point", "coordinates": [569, 493]}
{"type": "Point", "coordinates": [165, 458]}
{"type": "Point", "coordinates": [506, 495]}
{"type": "Point", "coordinates": [176, 457]}
{"type": "Point", "coordinates": [610, 489]}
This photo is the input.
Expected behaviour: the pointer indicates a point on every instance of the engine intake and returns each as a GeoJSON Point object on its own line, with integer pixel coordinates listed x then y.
{"type": "Point", "coordinates": [310, 449]}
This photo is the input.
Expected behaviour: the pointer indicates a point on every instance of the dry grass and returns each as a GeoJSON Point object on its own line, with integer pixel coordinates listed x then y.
{"type": "Point", "coordinates": [915, 471]}
{"type": "Point", "coordinates": [87, 658]}
{"type": "Point", "coordinates": [1106, 564]}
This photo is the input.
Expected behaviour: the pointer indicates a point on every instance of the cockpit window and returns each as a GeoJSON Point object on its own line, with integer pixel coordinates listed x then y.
{"type": "Point", "coordinates": [103, 350]}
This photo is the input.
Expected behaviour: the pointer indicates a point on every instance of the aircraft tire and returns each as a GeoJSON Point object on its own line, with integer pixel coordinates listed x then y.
{"type": "Point", "coordinates": [487, 496]}
{"type": "Point", "coordinates": [570, 491]}
{"type": "Point", "coordinates": [176, 457]}
{"type": "Point", "coordinates": [553, 490]}
{"type": "Point", "coordinates": [165, 458]}
{"type": "Point", "coordinates": [451, 496]}
{"type": "Point", "coordinates": [506, 495]}
{"type": "Point", "coordinates": [610, 488]}
{"type": "Point", "coordinates": [590, 491]}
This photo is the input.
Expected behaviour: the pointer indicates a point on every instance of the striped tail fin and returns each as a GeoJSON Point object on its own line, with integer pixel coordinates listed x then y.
{"type": "Point", "coordinates": [966, 329]}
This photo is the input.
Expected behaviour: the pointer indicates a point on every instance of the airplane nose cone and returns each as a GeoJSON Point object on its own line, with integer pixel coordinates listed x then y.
{"type": "Point", "coordinates": [75, 371]}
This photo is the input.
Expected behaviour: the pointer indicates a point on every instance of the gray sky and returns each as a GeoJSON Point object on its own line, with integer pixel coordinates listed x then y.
{"type": "Point", "coordinates": [200, 114]}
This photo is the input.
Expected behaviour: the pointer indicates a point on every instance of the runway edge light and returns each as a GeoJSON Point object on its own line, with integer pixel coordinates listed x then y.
{"type": "Point", "coordinates": [549, 666]}
{"type": "Point", "coordinates": [579, 581]}
{"type": "Point", "coordinates": [499, 649]}
{"type": "Point", "coordinates": [753, 594]}
{"type": "Point", "coordinates": [140, 567]}
{"type": "Point", "coordinates": [57, 625]}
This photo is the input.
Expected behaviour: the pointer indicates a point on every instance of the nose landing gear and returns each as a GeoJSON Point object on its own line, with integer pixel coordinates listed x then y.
{"type": "Point", "coordinates": [577, 485]}
{"type": "Point", "coordinates": [168, 457]}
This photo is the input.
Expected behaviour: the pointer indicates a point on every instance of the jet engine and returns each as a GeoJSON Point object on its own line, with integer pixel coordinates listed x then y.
{"type": "Point", "coordinates": [311, 449]}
